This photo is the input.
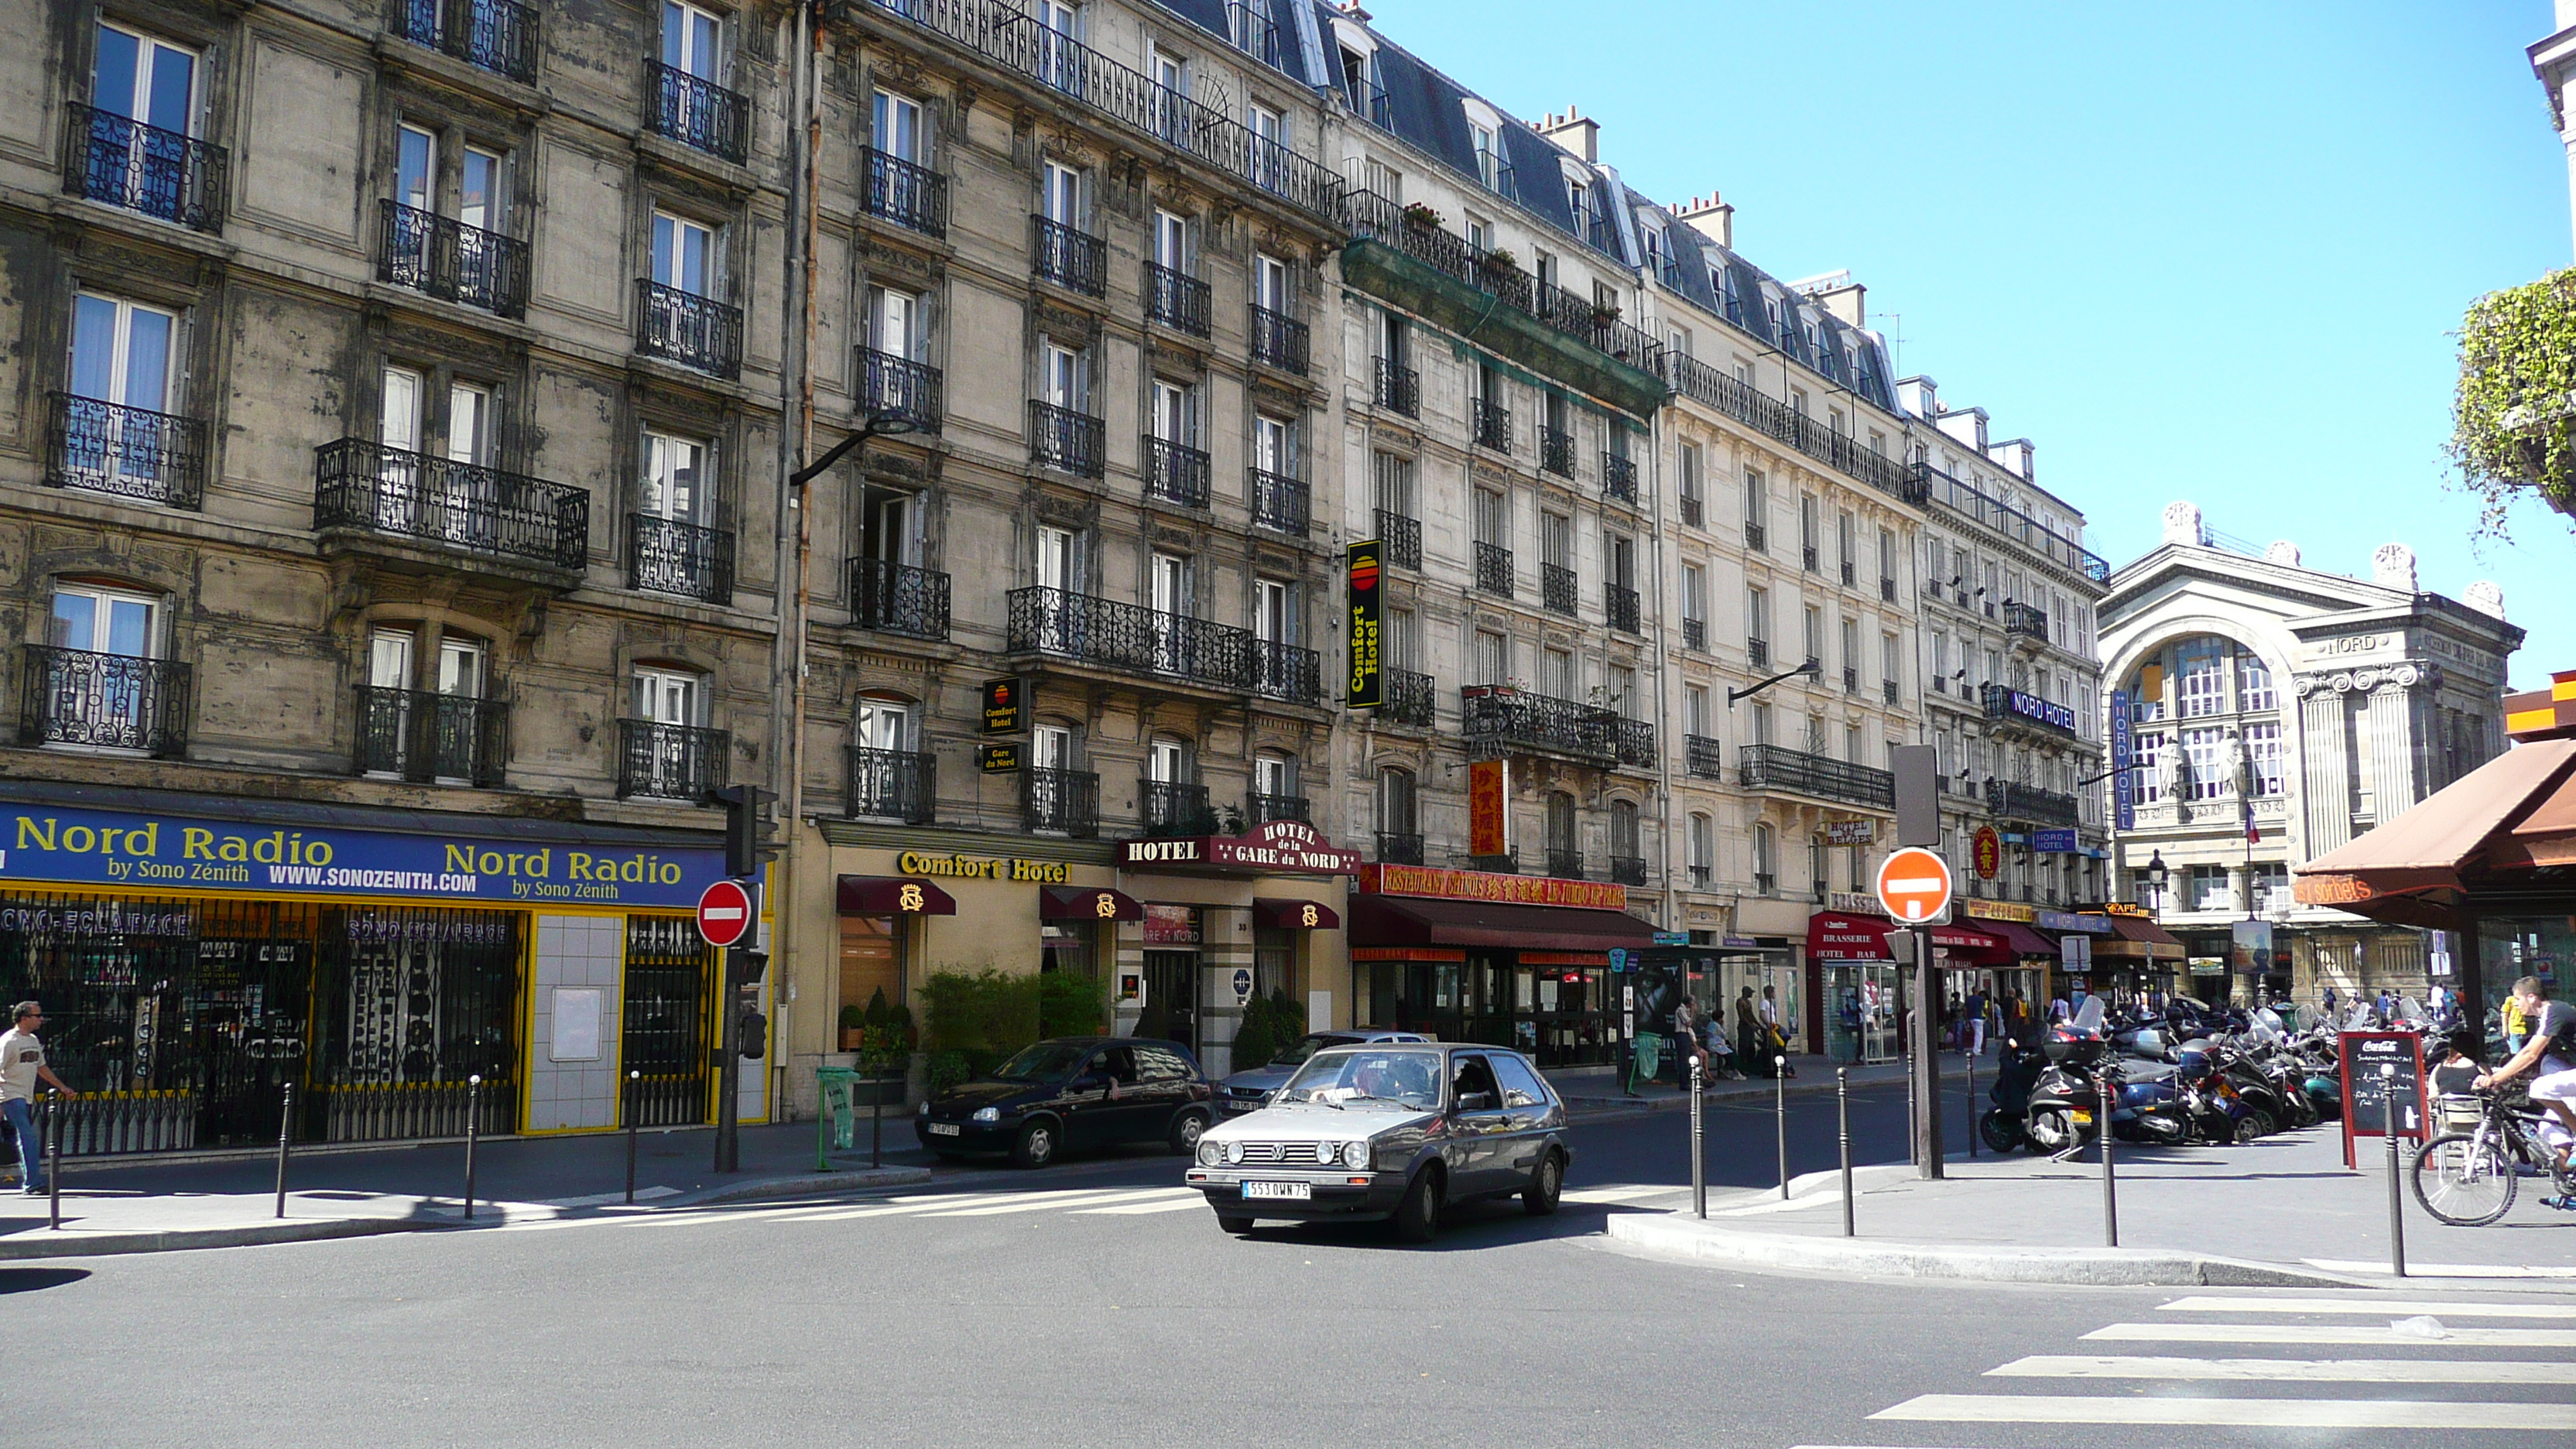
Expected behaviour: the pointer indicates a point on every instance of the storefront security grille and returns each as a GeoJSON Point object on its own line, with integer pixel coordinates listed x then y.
{"type": "Point", "coordinates": [670, 989]}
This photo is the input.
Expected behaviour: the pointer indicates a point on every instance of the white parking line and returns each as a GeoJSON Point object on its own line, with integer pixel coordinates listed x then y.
{"type": "Point", "coordinates": [2369, 1306]}
{"type": "Point", "coordinates": [1141, 1208]}
{"type": "Point", "coordinates": [2247, 1413]}
{"type": "Point", "coordinates": [1053, 1200]}
{"type": "Point", "coordinates": [2314, 1333]}
{"type": "Point", "coordinates": [2285, 1370]}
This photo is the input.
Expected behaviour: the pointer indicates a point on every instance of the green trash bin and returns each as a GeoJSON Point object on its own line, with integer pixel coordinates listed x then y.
{"type": "Point", "coordinates": [1650, 1055]}
{"type": "Point", "coordinates": [837, 1125]}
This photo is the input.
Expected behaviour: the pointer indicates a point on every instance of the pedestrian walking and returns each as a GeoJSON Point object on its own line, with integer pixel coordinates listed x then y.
{"type": "Point", "coordinates": [22, 1066]}
{"type": "Point", "coordinates": [2331, 999]}
{"type": "Point", "coordinates": [1977, 1022]}
{"type": "Point", "coordinates": [1685, 1038]}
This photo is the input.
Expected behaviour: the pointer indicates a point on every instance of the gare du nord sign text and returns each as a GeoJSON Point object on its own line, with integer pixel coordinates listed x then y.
{"type": "Point", "coordinates": [1282, 845]}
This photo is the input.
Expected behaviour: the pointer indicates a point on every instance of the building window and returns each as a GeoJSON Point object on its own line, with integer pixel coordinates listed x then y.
{"type": "Point", "coordinates": [1493, 657]}
{"type": "Point", "coordinates": [2254, 689]}
{"type": "Point", "coordinates": [2205, 759]}
{"type": "Point", "coordinates": [2264, 758]}
{"type": "Point", "coordinates": [2200, 685]}
{"type": "Point", "coordinates": [1766, 875]}
{"type": "Point", "coordinates": [665, 696]}
{"type": "Point", "coordinates": [1702, 836]}
{"type": "Point", "coordinates": [2208, 887]}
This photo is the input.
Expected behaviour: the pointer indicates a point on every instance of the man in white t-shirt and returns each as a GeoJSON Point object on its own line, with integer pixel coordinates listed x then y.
{"type": "Point", "coordinates": [2550, 1055]}
{"type": "Point", "coordinates": [22, 1066]}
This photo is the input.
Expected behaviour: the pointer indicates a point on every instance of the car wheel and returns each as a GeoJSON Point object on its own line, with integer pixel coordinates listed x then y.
{"type": "Point", "coordinates": [1036, 1145]}
{"type": "Point", "coordinates": [1547, 1186]}
{"type": "Point", "coordinates": [1185, 1133]}
{"type": "Point", "coordinates": [1230, 1224]}
{"type": "Point", "coordinates": [1417, 1217]}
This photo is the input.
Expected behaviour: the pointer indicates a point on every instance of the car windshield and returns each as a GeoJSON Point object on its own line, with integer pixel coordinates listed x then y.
{"type": "Point", "coordinates": [1345, 1075]}
{"type": "Point", "coordinates": [1307, 1048]}
{"type": "Point", "coordinates": [1048, 1061]}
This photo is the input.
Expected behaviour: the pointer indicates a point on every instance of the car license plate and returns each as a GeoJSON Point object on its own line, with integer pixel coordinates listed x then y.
{"type": "Point", "coordinates": [2083, 1119]}
{"type": "Point", "coordinates": [944, 1129]}
{"type": "Point", "coordinates": [1291, 1191]}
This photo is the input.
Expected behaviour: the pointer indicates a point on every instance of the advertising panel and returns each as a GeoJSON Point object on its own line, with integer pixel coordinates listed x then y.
{"type": "Point", "coordinates": [1367, 676]}
{"type": "Point", "coordinates": [1488, 819]}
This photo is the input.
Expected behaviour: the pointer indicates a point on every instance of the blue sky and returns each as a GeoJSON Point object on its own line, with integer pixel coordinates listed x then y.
{"type": "Point", "coordinates": [2203, 251]}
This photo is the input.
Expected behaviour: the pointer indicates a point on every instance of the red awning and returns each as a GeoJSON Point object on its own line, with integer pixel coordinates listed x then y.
{"type": "Point", "coordinates": [1845, 936]}
{"type": "Point", "coordinates": [1407, 921]}
{"type": "Point", "coordinates": [893, 895]}
{"type": "Point", "coordinates": [2021, 940]}
{"type": "Point", "coordinates": [1087, 903]}
{"type": "Point", "coordinates": [1293, 915]}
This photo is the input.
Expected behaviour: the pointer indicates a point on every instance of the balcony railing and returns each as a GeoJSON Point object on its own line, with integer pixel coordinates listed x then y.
{"type": "Point", "coordinates": [1507, 863]}
{"type": "Point", "coordinates": [1279, 341]}
{"type": "Point", "coordinates": [898, 388]}
{"type": "Point", "coordinates": [1691, 511]}
{"type": "Point", "coordinates": [1409, 699]}
{"type": "Point", "coordinates": [1379, 219]}
{"type": "Point", "coordinates": [1851, 573]}
{"type": "Point", "coordinates": [1401, 537]}
{"type": "Point", "coordinates": [1777, 768]}
{"type": "Point", "coordinates": [668, 556]}
{"type": "Point", "coordinates": [1887, 590]}
{"type": "Point", "coordinates": [905, 192]}
{"type": "Point", "coordinates": [1399, 848]}
{"type": "Point", "coordinates": [2019, 709]}
{"type": "Point", "coordinates": [683, 327]}
{"type": "Point", "coordinates": [497, 35]}
{"type": "Point", "coordinates": [375, 489]}
{"type": "Point", "coordinates": [1286, 671]}
{"type": "Point", "coordinates": [1701, 875]}
{"type": "Point", "coordinates": [1705, 756]}
{"type": "Point", "coordinates": [2011, 800]}
{"type": "Point", "coordinates": [1139, 640]}
{"type": "Point", "coordinates": [893, 785]}
{"type": "Point", "coordinates": [1281, 502]}
{"type": "Point", "coordinates": [894, 598]}
{"type": "Point", "coordinates": [695, 112]}
{"type": "Point", "coordinates": [670, 761]}
{"type": "Point", "coordinates": [120, 162]}
{"type": "Point", "coordinates": [1171, 807]}
{"type": "Point", "coordinates": [1065, 440]}
{"type": "Point", "coordinates": [105, 701]}
{"type": "Point", "coordinates": [1062, 802]}
{"type": "Point", "coordinates": [1555, 449]}
{"type": "Point", "coordinates": [2026, 621]}
{"type": "Point", "coordinates": [1983, 508]}
{"type": "Point", "coordinates": [1851, 679]}
{"type": "Point", "coordinates": [1556, 590]}
{"type": "Point", "coordinates": [1694, 633]}
{"type": "Point", "coordinates": [1176, 299]}
{"type": "Point", "coordinates": [1494, 569]}
{"type": "Point", "coordinates": [441, 257]}
{"type": "Point", "coordinates": [1498, 715]}
{"type": "Point", "coordinates": [1265, 808]}
{"type": "Point", "coordinates": [1619, 477]}
{"type": "Point", "coordinates": [1807, 558]}
{"type": "Point", "coordinates": [1564, 864]}
{"type": "Point", "coordinates": [1175, 473]}
{"type": "Point", "coordinates": [1746, 404]}
{"type": "Point", "coordinates": [1623, 608]}
{"type": "Point", "coordinates": [1628, 870]}
{"type": "Point", "coordinates": [422, 737]}
{"type": "Point", "coordinates": [1887, 689]}
{"type": "Point", "coordinates": [1068, 258]}
{"type": "Point", "coordinates": [105, 447]}
{"type": "Point", "coordinates": [1398, 389]}
{"type": "Point", "coordinates": [1757, 653]}
{"type": "Point", "coordinates": [1493, 424]}
{"type": "Point", "coordinates": [1756, 538]}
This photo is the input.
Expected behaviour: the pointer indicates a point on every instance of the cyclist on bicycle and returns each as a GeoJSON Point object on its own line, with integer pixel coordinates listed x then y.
{"type": "Point", "coordinates": [2552, 1050]}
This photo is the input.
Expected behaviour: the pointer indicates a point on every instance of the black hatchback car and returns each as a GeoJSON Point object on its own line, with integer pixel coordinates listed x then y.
{"type": "Point", "coordinates": [1071, 1093]}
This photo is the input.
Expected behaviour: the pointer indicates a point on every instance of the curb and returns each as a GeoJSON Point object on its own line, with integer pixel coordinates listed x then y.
{"type": "Point", "coordinates": [857, 1179]}
{"type": "Point", "coordinates": [42, 1244]}
{"type": "Point", "coordinates": [1691, 1240]}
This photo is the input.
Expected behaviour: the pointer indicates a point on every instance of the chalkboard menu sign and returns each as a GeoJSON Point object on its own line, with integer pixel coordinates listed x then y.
{"type": "Point", "coordinates": [2381, 1068]}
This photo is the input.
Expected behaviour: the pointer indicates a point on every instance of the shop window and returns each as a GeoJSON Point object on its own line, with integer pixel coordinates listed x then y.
{"type": "Point", "coordinates": [1274, 964]}
{"type": "Point", "coordinates": [1766, 878]}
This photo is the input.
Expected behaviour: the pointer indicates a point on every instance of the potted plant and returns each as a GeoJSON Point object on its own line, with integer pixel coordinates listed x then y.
{"type": "Point", "coordinates": [854, 1025]}
{"type": "Point", "coordinates": [1417, 214]}
{"type": "Point", "coordinates": [1500, 262]}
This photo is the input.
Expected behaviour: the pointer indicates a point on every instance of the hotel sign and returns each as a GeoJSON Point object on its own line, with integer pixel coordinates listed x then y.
{"type": "Point", "coordinates": [1367, 679]}
{"type": "Point", "coordinates": [2039, 711]}
{"type": "Point", "coordinates": [1477, 885]}
{"type": "Point", "coordinates": [971, 867]}
{"type": "Point", "coordinates": [1280, 845]}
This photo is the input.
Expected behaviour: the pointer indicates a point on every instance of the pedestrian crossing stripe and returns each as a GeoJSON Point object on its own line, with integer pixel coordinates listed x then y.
{"type": "Point", "coordinates": [1138, 1209]}
{"type": "Point", "coordinates": [2130, 1409]}
{"type": "Point", "coordinates": [1060, 1201]}
{"type": "Point", "coordinates": [2286, 1370]}
{"type": "Point", "coordinates": [2325, 1333]}
{"type": "Point", "coordinates": [2373, 1307]}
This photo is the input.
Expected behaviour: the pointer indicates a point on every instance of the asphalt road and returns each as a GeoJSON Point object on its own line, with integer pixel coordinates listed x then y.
{"type": "Point", "coordinates": [1095, 1304]}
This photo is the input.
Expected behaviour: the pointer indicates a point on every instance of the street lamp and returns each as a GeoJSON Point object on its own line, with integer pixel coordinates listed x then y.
{"type": "Point", "coordinates": [2154, 875]}
{"type": "Point", "coordinates": [1812, 668]}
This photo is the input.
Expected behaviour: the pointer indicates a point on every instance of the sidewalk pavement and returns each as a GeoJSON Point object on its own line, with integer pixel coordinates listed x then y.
{"type": "Point", "coordinates": [2281, 1211]}
{"type": "Point", "coordinates": [1590, 1091]}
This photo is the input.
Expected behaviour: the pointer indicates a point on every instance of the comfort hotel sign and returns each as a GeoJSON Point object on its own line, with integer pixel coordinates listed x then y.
{"type": "Point", "coordinates": [1281, 845]}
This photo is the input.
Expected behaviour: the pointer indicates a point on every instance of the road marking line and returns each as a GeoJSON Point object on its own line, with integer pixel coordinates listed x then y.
{"type": "Point", "coordinates": [2373, 1307]}
{"type": "Point", "coordinates": [2288, 1370]}
{"type": "Point", "coordinates": [1621, 1194]}
{"type": "Point", "coordinates": [920, 1205]}
{"type": "Point", "coordinates": [1141, 1208]}
{"type": "Point", "coordinates": [2308, 1333]}
{"type": "Point", "coordinates": [2250, 1413]}
{"type": "Point", "coordinates": [1089, 1199]}
{"type": "Point", "coordinates": [2438, 1270]}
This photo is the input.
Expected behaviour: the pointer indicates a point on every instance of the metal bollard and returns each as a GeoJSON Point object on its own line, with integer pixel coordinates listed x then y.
{"type": "Point", "coordinates": [285, 1121]}
{"type": "Point", "coordinates": [634, 1090]}
{"type": "Point", "coordinates": [2396, 1202]}
{"type": "Point", "coordinates": [2103, 1099]}
{"type": "Point", "coordinates": [1972, 1106]}
{"type": "Point", "coordinates": [1913, 1148]}
{"type": "Point", "coordinates": [1699, 1146]}
{"type": "Point", "coordinates": [1780, 1116]}
{"type": "Point", "coordinates": [1842, 1124]}
{"type": "Point", "coordinates": [473, 1125]}
{"type": "Point", "coordinates": [53, 1144]}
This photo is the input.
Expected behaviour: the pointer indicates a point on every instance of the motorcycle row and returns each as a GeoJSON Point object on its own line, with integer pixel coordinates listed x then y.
{"type": "Point", "coordinates": [2195, 1073]}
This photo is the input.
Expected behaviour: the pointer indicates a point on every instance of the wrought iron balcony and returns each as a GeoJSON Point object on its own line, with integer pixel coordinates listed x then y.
{"type": "Point", "coordinates": [670, 761]}
{"type": "Point", "coordinates": [696, 112]}
{"type": "Point", "coordinates": [668, 556]}
{"type": "Point", "coordinates": [2017, 710]}
{"type": "Point", "coordinates": [1701, 875]}
{"type": "Point", "coordinates": [424, 738]}
{"type": "Point", "coordinates": [1170, 807]}
{"type": "Point", "coordinates": [1887, 688]}
{"type": "Point", "coordinates": [1065, 440]}
{"type": "Point", "coordinates": [1991, 512]}
{"type": "Point", "coordinates": [2011, 800]}
{"type": "Point", "coordinates": [121, 162]}
{"type": "Point", "coordinates": [1851, 573]}
{"type": "Point", "coordinates": [1279, 341]}
{"type": "Point", "coordinates": [894, 598]}
{"type": "Point", "coordinates": [441, 257]}
{"type": "Point", "coordinates": [497, 35]}
{"type": "Point", "coordinates": [1399, 848]}
{"type": "Point", "coordinates": [1628, 870]}
{"type": "Point", "coordinates": [1556, 589]}
{"type": "Point", "coordinates": [105, 447]}
{"type": "Point", "coordinates": [1175, 473]}
{"type": "Point", "coordinates": [105, 701]}
{"type": "Point", "coordinates": [1691, 511]}
{"type": "Point", "coordinates": [1809, 435]}
{"type": "Point", "coordinates": [1176, 299]}
{"type": "Point", "coordinates": [900, 388]}
{"type": "Point", "coordinates": [1807, 558]}
{"type": "Point", "coordinates": [683, 327]}
{"type": "Point", "coordinates": [906, 193]}
{"type": "Point", "coordinates": [1496, 715]}
{"type": "Point", "coordinates": [1622, 605]}
{"type": "Point", "coordinates": [1068, 258]}
{"type": "Point", "coordinates": [1493, 424]}
{"type": "Point", "coordinates": [1286, 671]}
{"type": "Point", "coordinates": [893, 785]}
{"type": "Point", "coordinates": [1564, 863]}
{"type": "Point", "coordinates": [1778, 769]}
{"type": "Point", "coordinates": [1694, 633]}
{"type": "Point", "coordinates": [1409, 699]}
{"type": "Point", "coordinates": [1887, 590]}
{"type": "Point", "coordinates": [1062, 802]}
{"type": "Point", "coordinates": [1134, 639]}
{"type": "Point", "coordinates": [1508, 863]}
{"type": "Point", "coordinates": [1851, 679]}
{"type": "Point", "coordinates": [370, 488]}
{"type": "Point", "coordinates": [1281, 502]}
{"type": "Point", "coordinates": [1494, 569]}
{"type": "Point", "coordinates": [1757, 653]}
{"type": "Point", "coordinates": [2026, 621]}
{"type": "Point", "coordinates": [1401, 537]}
{"type": "Point", "coordinates": [1398, 389]}
{"type": "Point", "coordinates": [1706, 757]}
{"type": "Point", "coordinates": [1756, 538]}
{"type": "Point", "coordinates": [1265, 808]}
{"type": "Point", "coordinates": [1619, 477]}
{"type": "Point", "coordinates": [1555, 449]}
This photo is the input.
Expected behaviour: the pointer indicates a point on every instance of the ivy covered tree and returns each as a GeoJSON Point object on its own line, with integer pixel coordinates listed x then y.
{"type": "Point", "coordinates": [2514, 421]}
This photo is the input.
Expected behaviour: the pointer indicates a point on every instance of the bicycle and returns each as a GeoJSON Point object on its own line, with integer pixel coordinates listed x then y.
{"type": "Point", "coordinates": [2474, 1173]}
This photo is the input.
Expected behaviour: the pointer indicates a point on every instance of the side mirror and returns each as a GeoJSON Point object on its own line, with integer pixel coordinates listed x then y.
{"type": "Point", "coordinates": [1476, 1102]}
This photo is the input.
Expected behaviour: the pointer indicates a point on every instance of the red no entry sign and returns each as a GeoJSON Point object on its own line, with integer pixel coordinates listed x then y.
{"type": "Point", "coordinates": [724, 913]}
{"type": "Point", "coordinates": [1914, 886]}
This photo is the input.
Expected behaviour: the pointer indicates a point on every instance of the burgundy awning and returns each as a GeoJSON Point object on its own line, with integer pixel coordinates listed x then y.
{"type": "Point", "coordinates": [2021, 940]}
{"type": "Point", "coordinates": [1408, 921]}
{"type": "Point", "coordinates": [1272, 914]}
{"type": "Point", "coordinates": [1087, 903]}
{"type": "Point", "coordinates": [892, 895]}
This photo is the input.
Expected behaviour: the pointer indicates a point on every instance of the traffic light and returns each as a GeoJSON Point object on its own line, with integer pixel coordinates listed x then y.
{"type": "Point", "coordinates": [754, 1041]}
{"type": "Point", "coordinates": [748, 833]}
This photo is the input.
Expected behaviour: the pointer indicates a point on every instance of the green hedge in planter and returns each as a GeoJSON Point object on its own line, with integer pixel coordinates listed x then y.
{"type": "Point", "coordinates": [1271, 1025]}
{"type": "Point", "coordinates": [2514, 418]}
{"type": "Point", "coordinates": [1070, 1004]}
